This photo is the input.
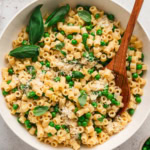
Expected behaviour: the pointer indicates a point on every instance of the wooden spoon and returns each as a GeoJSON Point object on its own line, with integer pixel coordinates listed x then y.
{"type": "Point", "coordinates": [118, 63]}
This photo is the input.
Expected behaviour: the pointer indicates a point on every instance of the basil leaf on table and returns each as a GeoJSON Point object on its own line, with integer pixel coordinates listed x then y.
{"type": "Point", "coordinates": [40, 110]}
{"type": "Point", "coordinates": [85, 15]}
{"type": "Point", "coordinates": [26, 51]}
{"type": "Point", "coordinates": [36, 26]}
{"type": "Point", "coordinates": [77, 74]}
{"type": "Point", "coordinates": [57, 16]}
{"type": "Point", "coordinates": [82, 98]}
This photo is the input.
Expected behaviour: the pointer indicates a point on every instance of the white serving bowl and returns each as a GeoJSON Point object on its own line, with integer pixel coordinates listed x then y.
{"type": "Point", "coordinates": [21, 19]}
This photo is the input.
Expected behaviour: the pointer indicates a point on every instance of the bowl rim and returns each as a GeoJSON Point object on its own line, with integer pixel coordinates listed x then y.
{"type": "Point", "coordinates": [138, 22]}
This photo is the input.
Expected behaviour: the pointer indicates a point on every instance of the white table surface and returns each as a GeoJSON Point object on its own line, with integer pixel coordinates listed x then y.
{"type": "Point", "coordinates": [8, 140]}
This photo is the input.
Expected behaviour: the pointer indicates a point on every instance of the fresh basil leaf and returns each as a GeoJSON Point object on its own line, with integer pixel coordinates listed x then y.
{"type": "Point", "coordinates": [82, 98]}
{"type": "Point", "coordinates": [59, 46]}
{"type": "Point", "coordinates": [40, 110]}
{"type": "Point", "coordinates": [58, 16]}
{"type": "Point", "coordinates": [85, 15]}
{"type": "Point", "coordinates": [31, 70]}
{"type": "Point", "coordinates": [51, 15]}
{"type": "Point", "coordinates": [36, 26]}
{"type": "Point", "coordinates": [64, 53]}
{"type": "Point", "coordinates": [77, 74]}
{"type": "Point", "coordinates": [102, 118]}
{"type": "Point", "coordinates": [26, 51]}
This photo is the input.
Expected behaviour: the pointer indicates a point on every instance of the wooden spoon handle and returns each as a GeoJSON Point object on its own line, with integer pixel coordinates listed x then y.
{"type": "Point", "coordinates": [119, 64]}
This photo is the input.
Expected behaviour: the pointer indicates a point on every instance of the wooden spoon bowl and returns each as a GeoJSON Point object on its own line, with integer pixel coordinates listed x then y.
{"type": "Point", "coordinates": [118, 63]}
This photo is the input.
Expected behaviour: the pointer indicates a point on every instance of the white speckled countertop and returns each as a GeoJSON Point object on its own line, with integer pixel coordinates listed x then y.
{"type": "Point", "coordinates": [8, 140]}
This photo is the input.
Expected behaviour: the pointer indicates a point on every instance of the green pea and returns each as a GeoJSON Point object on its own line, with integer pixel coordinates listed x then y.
{"type": "Point", "coordinates": [131, 111]}
{"type": "Point", "coordinates": [138, 99]}
{"type": "Point", "coordinates": [53, 114]}
{"type": "Point", "coordinates": [24, 42]}
{"type": "Point", "coordinates": [98, 130]}
{"type": "Point", "coordinates": [131, 48]}
{"type": "Point", "coordinates": [47, 64]}
{"type": "Point", "coordinates": [57, 127]}
{"type": "Point", "coordinates": [85, 35]}
{"type": "Point", "coordinates": [70, 36]}
{"type": "Point", "coordinates": [99, 32]}
{"type": "Point", "coordinates": [94, 104]}
{"type": "Point", "coordinates": [62, 32]}
{"type": "Point", "coordinates": [68, 78]}
{"type": "Point", "coordinates": [110, 96]}
{"type": "Point", "coordinates": [135, 75]}
{"type": "Point", "coordinates": [88, 115]}
{"type": "Point", "coordinates": [56, 109]}
{"type": "Point", "coordinates": [111, 17]}
{"type": "Point", "coordinates": [97, 16]}
{"type": "Point", "coordinates": [139, 66]}
{"type": "Point", "coordinates": [51, 124]}
{"type": "Point", "coordinates": [9, 81]}
{"type": "Point", "coordinates": [105, 93]}
{"type": "Point", "coordinates": [82, 118]}
{"type": "Point", "coordinates": [28, 124]}
{"type": "Point", "coordinates": [129, 58]}
{"type": "Point", "coordinates": [93, 34]}
{"type": "Point", "coordinates": [46, 34]}
{"type": "Point", "coordinates": [79, 123]}
{"type": "Point", "coordinates": [41, 44]}
{"type": "Point", "coordinates": [15, 106]}
{"type": "Point", "coordinates": [76, 109]}
{"type": "Point", "coordinates": [115, 102]}
{"type": "Point", "coordinates": [5, 93]}
{"type": "Point", "coordinates": [97, 77]}
{"type": "Point", "coordinates": [74, 42]}
{"type": "Point", "coordinates": [57, 79]}
{"type": "Point", "coordinates": [10, 71]}
{"type": "Point", "coordinates": [49, 134]}
{"type": "Point", "coordinates": [42, 63]}
{"type": "Point", "coordinates": [90, 71]}
{"type": "Point", "coordinates": [103, 43]}
{"type": "Point", "coordinates": [31, 94]}
{"type": "Point", "coordinates": [105, 106]}
{"type": "Point", "coordinates": [71, 83]}
{"type": "Point", "coordinates": [84, 123]}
